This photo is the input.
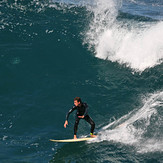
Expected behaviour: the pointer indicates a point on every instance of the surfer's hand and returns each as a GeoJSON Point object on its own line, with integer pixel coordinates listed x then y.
{"type": "Point", "coordinates": [66, 123]}
{"type": "Point", "coordinates": [81, 116]}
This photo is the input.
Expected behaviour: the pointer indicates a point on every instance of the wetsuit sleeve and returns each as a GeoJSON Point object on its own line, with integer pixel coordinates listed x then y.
{"type": "Point", "coordinates": [86, 109]}
{"type": "Point", "coordinates": [70, 111]}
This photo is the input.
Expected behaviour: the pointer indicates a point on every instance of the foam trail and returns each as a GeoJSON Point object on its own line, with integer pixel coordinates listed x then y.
{"type": "Point", "coordinates": [138, 45]}
{"type": "Point", "coordinates": [141, 128]}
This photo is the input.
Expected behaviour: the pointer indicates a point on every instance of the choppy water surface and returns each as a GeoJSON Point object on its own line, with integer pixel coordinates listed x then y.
{"type": "Point", "coordinates": [107, 52]}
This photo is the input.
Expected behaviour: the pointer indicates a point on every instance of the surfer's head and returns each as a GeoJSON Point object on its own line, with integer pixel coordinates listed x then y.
{"type": "Point", "coordinates": [77, 101]}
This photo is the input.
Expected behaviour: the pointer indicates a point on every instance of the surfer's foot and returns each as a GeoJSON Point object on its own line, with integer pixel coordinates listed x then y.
{"type": "Point", "coordinates": [93, 136]}
{"type": "Point", "coordinates": [75, 137]}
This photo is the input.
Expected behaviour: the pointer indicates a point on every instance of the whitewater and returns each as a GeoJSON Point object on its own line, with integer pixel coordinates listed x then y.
{"type": "Point", "coordinates": [133, 129]}
{"type": "Point", "coordinates": [135, 44]}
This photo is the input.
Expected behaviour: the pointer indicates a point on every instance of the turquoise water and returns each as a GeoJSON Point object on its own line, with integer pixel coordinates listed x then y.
{"type": "Point", "coordinates": [107, 52]}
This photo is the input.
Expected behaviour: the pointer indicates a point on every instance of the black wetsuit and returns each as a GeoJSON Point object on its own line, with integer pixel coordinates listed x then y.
{"type": "Point", "coordinates": [81, 110]}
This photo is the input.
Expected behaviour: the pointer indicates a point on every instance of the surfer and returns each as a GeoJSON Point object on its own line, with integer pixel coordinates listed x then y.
{"type": "Point", "coordinates": [82, 113]}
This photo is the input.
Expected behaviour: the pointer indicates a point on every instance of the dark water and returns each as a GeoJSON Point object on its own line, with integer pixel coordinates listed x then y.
{"type": "Point", "coordinates": [107, 52]}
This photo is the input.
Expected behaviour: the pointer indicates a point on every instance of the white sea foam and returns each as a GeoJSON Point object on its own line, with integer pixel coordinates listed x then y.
{"type": "Point", "coordinates": [137, 49]}
{"type": "Point", "coordinates": [140, 128]}
{"type": "Point", "coordinates": [137, 45]}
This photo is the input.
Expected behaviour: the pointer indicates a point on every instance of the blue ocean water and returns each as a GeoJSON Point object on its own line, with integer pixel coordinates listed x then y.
{"type": "Point", "coordinates": [108, 52]}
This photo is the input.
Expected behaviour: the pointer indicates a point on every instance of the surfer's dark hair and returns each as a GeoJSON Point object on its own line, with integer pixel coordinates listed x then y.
{"type": "Point", "coordinates": [78, 99]}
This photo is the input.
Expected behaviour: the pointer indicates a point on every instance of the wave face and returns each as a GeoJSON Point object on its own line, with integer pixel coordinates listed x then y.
{"type": "Point", "coordinates": [108, 52]}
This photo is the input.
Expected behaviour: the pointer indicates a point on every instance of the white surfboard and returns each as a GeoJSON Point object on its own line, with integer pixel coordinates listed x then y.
{"type": "Point", "coordinates": [72, 140]}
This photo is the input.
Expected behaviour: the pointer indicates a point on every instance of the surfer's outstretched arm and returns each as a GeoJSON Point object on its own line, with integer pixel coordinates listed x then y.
{"type": "Point", "coordinates": [67, 116]}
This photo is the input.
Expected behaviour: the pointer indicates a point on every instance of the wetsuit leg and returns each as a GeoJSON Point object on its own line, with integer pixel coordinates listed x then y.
{"type": "Point", "coordinates": [76, 125]}
{"type": "Point", "coordinates": [91, 122]}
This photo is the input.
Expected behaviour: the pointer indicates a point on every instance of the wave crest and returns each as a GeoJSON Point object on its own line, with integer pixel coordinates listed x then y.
{"type": "Point", "coordinates": [136, 44]}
